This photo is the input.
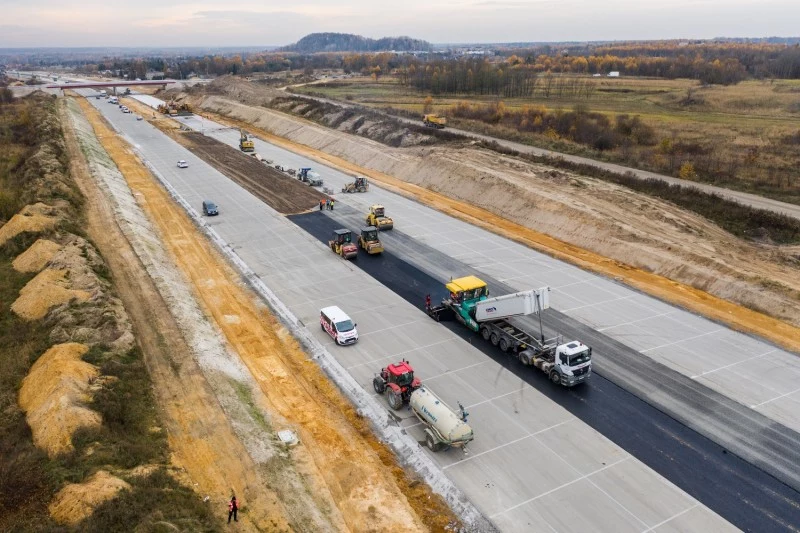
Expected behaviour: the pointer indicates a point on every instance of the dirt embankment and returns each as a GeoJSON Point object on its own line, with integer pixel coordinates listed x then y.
{"type": "Point", "coordinates": [366, 489]}
{"type": "Point", "coordinates": [66, 347]}
{"type": "Point", "coordinates": [569, 216]}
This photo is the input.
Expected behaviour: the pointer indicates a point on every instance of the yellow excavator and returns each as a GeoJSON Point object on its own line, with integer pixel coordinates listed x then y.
{"type": "Point", "coordinates": [376, 217]}
{"type": "Point", "coordinates": [246, 144]}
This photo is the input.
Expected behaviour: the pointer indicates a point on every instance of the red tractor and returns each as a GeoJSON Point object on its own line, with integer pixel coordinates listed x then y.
{"type": "Point", "coordinates": [399, 379]}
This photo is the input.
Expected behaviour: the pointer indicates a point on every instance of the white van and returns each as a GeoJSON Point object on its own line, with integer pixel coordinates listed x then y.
{"type": "Point", "coordinates": [338, 325]}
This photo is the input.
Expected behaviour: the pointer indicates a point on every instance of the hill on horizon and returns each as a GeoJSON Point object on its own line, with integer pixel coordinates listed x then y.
{"type": "Point", "coordinates": [348, 42]}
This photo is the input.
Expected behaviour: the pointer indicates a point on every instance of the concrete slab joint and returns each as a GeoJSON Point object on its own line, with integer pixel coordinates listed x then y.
{"type": "Point", "coordinates": [404, 446]}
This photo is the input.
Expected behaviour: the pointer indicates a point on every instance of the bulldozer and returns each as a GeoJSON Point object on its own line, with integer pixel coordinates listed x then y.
{"type": "Point", "coordinates": [377, 218]}
{"type": "Point", "coordinates": [359, 185]}
{"type": "Point", "coordinates": [369, 241]}
{"type": "Point", "coordinates": [343, 245]}
{"type": "Point", "coordinates": [246, 144]}
{"type": "Point", "coordinates": [173, 109]}
{"type": "Point", "coordinates": [399, 379]}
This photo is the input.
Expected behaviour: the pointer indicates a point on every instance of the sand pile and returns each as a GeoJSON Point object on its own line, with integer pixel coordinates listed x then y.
{"type": "Point", "coordinates": [48, 289]}
{"type": "Point", "coordinates": [53, 396]}
{"type": "Point", "coordinates": [76, 501]}
{"type": "Point", "coordinates": [34, 218]}
{"type": "Point", "coordinates": [35, 258]}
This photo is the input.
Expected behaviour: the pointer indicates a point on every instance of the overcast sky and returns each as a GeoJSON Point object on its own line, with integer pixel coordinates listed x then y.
{"type": "Point", "coordinates": [272, 22]}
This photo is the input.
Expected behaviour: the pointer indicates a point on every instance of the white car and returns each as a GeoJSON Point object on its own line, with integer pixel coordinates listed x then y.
{"type": "Point", "coordinates": [183, 164]}
{"type": "Point", "coordinates": [138, 117]}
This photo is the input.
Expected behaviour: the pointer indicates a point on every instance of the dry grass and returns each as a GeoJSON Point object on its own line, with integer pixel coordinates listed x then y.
{"type": "Point", "coordinates": [741, 129]}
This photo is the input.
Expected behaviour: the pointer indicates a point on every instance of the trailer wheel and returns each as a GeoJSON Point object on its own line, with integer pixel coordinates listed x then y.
{"type": "Point", "coordinates": [504, 346]}
{"type": "Point", "coordinates": [395, 400]}
{"type": "Point", "coordinates": [555, 377]}
{"type": "Point", "coordinates": [485, 333]}
{"type": "Point", "coordinates": [379, 385]}
{"type": "Point", "coordinates": [495, 339]}
{"type": "Point", "coordinates": [432, 443]}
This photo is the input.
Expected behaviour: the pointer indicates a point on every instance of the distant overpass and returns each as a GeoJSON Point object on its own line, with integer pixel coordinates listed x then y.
{"type": "Point", "coordinates": [101, 84]}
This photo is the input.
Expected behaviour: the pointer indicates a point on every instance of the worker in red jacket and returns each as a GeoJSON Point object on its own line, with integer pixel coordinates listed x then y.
{"type": "Point", "coordinates": [233, 506]}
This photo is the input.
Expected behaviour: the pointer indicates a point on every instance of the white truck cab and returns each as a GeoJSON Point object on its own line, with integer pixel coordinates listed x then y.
{"type": "Point", "coordinates": [338, 325]}
{"type": "Point", "coordinates": [574, 362]}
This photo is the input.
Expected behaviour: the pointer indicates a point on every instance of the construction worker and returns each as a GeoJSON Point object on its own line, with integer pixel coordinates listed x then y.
{"type": "Point", "coordinates": [331, 204]}
{"type": "Point", "coordinates": [328, 203]}
{"type": "Point", "coordinates": [233, 506]}
{"type": "Point", "coordinates": [427, 301]}
{"type": "Point", "coordinates": [321, 204]}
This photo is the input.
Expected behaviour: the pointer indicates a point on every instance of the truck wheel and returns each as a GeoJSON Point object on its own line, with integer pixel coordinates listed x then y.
{"type": "Point", "coordinates": [395, 400]}
{"type": "Point", "coordinates": [379, 385]}
{"type": "Point", "coordinates": [555, 377]}
{"type": "Point", "coordinates": [495, 339]}
{"type": "Point", "coordinates": [485, 333]}
{"type": "Point", "coordinates": [504, 345]}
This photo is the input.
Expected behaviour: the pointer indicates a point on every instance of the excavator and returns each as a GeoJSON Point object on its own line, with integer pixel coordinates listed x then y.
{"type": "Point", "coordinates": [246, 144]}
{"type": "Point", "coordinates": [377, 218]}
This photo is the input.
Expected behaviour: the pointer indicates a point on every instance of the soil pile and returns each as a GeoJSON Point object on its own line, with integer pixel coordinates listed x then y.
{"type": "Point", "coordinates": [54, 394]}
{"type": "Point", "coordinates": [50, 288]}
{"type": "Point", "coordinates": [34, 218]}
{"type": "Point", "coordinates": [76, 501]}
{"type": "Point", "coordinates": [35, 258]}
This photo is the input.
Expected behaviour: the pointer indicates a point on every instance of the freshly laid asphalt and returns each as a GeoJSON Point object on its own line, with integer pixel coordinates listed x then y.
{"type": "Point", "coordinates": [749, 496]}
{"type": "Point", "coordinates": [535, 452]}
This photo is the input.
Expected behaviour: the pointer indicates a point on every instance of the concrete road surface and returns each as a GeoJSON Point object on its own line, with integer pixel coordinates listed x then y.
{"type": "Point", "coordinates": [532, 459]}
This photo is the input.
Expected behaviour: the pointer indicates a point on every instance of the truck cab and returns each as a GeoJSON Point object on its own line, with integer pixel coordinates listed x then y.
{"type": "Point", "coordinates": [574, 363]}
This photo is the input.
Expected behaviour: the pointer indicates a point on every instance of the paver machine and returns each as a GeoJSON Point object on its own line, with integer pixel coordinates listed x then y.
{"type": "Point", "coordinates": [399, 379]}
{"type": "Point", "coordinates": [359, 185]}
{"type": "Point", "coordinates": [497, 320]}
{"type": "Point", "coordinates": [377, 217]}
{"type": "Point", "coordinates": [369, 241]}
{"type": "Point", "coordinates": [343, 245]}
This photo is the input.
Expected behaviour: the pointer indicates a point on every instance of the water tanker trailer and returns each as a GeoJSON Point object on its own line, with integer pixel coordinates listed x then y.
{"type": "Point", "coordinates": [443, 427]}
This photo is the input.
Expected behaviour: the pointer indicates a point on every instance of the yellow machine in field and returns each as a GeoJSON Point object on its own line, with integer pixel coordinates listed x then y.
{"type": "Point", "coordinates": [369, 241]}
{"type": "Point", "coordinates": [172, 109]}
{"type": "Point", "coordinates": [434, 121]}
{"type": "Point", "coordinates": [377, 217]}
{"type": "Point", "coordinates": [359, 185]}
{"type": "Point", "coordinates": [246, 144]}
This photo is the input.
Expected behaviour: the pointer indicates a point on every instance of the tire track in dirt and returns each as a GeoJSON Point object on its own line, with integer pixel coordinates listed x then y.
{"type": "Point", "coordinates": [360, 474]}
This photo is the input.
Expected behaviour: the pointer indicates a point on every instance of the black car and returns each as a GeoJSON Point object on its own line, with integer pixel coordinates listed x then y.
{"type": "Point", "coordinates": [210, 208]}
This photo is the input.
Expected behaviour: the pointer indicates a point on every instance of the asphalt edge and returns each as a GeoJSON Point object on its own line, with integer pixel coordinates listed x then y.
{"type": "Point", "coordinates": [406, 448]}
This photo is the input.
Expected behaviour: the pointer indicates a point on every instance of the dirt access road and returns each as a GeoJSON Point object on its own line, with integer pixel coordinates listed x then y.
{"type": "Point", "coordinates": [368, 489]}
{"type": "Point", "coordinates": [753, 200]}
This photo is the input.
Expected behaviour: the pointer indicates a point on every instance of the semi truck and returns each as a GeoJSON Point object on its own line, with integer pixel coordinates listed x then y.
{"type": "Point", "coordinates": [497, 321]}
{"type": "Point", "coordinates": [443, 428]}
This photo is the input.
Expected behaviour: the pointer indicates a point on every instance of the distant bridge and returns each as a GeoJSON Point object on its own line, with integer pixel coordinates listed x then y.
{"type": "Point", "coordinates": [98, 84]}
